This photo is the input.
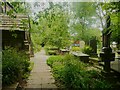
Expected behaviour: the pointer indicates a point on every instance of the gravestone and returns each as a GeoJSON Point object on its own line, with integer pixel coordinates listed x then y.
{"type": "Point", "coordinates": [93, 45]}
{"type": "Point", "coordinates": [82, 44]}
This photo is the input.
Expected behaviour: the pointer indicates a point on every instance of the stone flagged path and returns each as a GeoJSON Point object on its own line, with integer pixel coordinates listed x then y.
{"type": "Point", "coordinates": [40, 76]}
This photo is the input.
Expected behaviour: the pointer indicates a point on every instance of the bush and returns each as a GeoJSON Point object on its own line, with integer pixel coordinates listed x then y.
{"type": "Point", "coordinates": [87, 50]}
{"type": "Point", "coordinates": [53, 59]}
{"type": "Point", "coordinates": [75, 48]}
{"type": "Point", "coordinates": [72, 73]}
{"type": "Point", "coordinates": [51, 50]}
{"type": "Point", "coordinates": [15, 65]}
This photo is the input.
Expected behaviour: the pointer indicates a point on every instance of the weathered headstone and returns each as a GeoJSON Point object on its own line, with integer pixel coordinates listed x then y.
{"type": "Point", "coordinates": [82, 44]}
{"type": "Point", "coordinates": [93, 45]}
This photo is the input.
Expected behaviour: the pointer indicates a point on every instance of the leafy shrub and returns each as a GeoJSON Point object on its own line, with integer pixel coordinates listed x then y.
{"type": "Point", "coordinates": [36, 41]}
{"type": "Point", "coordinates": [87, 50]}
{"type": "Point", "coordinates": [37, 48]}
{"type": "Point", "coordinates": [75, 49]}
{"type": "Point", "coordinates": [15, 65]}
{"type": "Point", "coordinates": [51, 50]}
{"type": "Point", "coordinates": [72, 73]}
{"type": "Point", "coordinates": [58, 72]}
{"type": "Point", "coordinates": [53, 59]}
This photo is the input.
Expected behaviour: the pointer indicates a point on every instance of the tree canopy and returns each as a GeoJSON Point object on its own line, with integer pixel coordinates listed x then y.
{"type": "Point", "coordinates": [60, 23]}
{"type": "Point", "coordinates": [83, 20]}
{"type": "Point", "coordinates": [113, 10]}
{"type": "Point", "coordinates": [53, 26]}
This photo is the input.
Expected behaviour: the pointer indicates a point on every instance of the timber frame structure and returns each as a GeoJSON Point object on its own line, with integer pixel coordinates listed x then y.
{"type": "Point", "coordinates": [15, 30]}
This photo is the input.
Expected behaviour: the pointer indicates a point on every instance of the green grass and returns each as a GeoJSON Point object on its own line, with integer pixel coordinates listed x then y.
{"type": "Point", "coordinates": [69, 72]}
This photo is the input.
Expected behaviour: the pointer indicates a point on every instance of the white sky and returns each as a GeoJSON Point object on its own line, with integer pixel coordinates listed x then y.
{"type": "Point", "coordinates": [39, 7]}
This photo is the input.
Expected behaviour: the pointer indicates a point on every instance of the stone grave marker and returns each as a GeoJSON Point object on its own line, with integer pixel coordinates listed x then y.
{"type": "Point", "coordinates": [93, 45]}
{"type": "Point", "coordinates": [82, 44]}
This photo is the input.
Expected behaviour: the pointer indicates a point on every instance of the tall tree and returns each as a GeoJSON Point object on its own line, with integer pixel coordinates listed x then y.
{"type": "Point", "coordinates": [53, 26]}
{"type": "Point", "coordinates": [84, 11]}
{"type": "Point", "coordinates": [112, 9]}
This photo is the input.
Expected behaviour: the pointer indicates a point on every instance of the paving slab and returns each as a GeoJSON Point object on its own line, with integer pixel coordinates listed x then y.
{"type": "Point", "coordinates": [40, 76]}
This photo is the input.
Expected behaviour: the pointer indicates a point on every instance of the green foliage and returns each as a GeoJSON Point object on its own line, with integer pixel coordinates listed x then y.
{"type": "Point", "coordinates": [53, 27]}
{"type": "Point", "coordinates": [92, 33]}
{"type": "Point", "coordinates": [36, 40]}
{"type": "Point", "coordinates": [36, 47]}
{"type": "Point", "coordinates": [75, 49]}
{"type": "Point", "coordinates": [15, 65]}
{"type": "Point", "coordinates": [16, 7]}
{"type": "Point", "coordinates": [82, 25]}
{"type": "Point", "coordinates": [53, 59]}
{"type": "Point", "coordinates": [51, 50]}
{"type": "Point", "coordinates": [87, 50]}
{"type": "Point", "coordinates": [51, 47]}
{"type": "Point", "coordinates": [72, 73]}
{"type": "Point", "coordinates": [113, 10]}
{"type": "Point", "coordinates": [84, 9]}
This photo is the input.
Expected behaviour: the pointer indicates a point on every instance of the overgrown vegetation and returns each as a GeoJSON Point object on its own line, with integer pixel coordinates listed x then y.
{"type": "Point", "coordinates": [71, 73]}
{"type": "Point", "coordinates": [51, 50]}
{"type": "Point", "coordinates": [57, 25]}
{"type": "Point", "coordinates": [74, 48]}
{"type": "Point", "coordinates": [36, 43]}
{"type": "Point", "coordinates": [35, 36]}
{"type": "Point", "coordinates": [87, 50]}
{"type": "Point", "coordinates": [15, 66]}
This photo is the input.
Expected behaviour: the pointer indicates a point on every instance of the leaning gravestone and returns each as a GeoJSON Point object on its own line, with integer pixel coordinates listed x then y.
{"type": "Point", "coordinates": [82, 44]}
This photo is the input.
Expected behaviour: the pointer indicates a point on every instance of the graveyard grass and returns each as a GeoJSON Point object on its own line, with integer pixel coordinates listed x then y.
{"type": "Point", "coordinates": [69, 72]}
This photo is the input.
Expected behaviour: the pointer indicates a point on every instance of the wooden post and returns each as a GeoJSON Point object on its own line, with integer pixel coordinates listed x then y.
{"type": "Point", "coordinates": [30, 41]}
